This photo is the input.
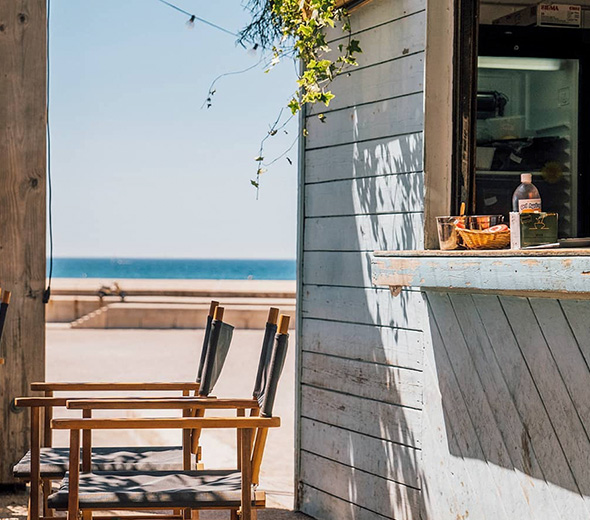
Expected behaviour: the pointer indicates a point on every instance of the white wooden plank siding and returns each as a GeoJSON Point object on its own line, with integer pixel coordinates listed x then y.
{"type": "Point", "coordinates": [369, 343]}
{"type": "Point", "coordinates": [372, 418]}
{"type": "Point", "coordinates": [363, 306]}
{"type": "Point", "coordinates": [368, 380]}
{"type": "Point", "coordinates": [364, 232]}
{"type": "Point", "coordinates": [390, 117]}
{"type": "Point", "coordinates": [382, 496]}
{"type": "Point", "coordinates": [361, 351]}
{"type": "Point", "coordinates": [386, 80]}
{"type": "Point", "coordinates": [348, 269]}
{"type": "Point", "coordinates": [379, 457]}
{"type": "Point", "coordinates": [390, 40]}
{"type": "Point", "coordinates": [374, 158]}
{"type": "Point", "coordinates": [375, 14]}
{"type": "Point", "coordinates": [322, 505]}
{"type": "Point", "coordinates": [390, 194]}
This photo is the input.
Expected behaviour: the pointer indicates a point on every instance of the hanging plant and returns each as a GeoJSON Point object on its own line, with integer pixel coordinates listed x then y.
{"type": "Point", "coordinates": [297, 29]}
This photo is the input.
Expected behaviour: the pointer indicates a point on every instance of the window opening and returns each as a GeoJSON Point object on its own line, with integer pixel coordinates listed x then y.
{"type": "Point", "coordinates": [530, 115]}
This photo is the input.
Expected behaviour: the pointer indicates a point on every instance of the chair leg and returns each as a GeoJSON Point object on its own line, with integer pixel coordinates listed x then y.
{"type": "Point", "coordinates": [234, 515]}
{"type": "Point", "coordinates": [47, 511]}
{"type": "Point", "coordinates": [35, 490]}
{"type": "Point", "coordinates": [246, 470]}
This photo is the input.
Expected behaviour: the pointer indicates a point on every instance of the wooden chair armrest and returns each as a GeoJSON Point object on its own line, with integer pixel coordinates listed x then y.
{"type": "Point", "coordinates": [112, 387]}
{"type": "Point", "coordinates": [41, 402]}
{"type": "Point", "coordinates": [147, 403]}
{"type": "Point", "coordinates": [166, 423]}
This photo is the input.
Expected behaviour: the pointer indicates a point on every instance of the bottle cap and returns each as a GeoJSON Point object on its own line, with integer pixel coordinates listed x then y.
{"type": "Point", "coordinates": [526, 177]}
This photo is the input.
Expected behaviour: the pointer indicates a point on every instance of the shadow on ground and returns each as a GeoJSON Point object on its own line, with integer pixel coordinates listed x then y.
{"type": "Point", "coordinates": [13, 506]}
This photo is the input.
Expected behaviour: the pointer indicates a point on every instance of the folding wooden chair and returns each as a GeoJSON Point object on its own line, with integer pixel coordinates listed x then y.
{"type": "Point", "coordinates": [88, 491]}
{"type": "Point", "coordinates": [4, 302]}
{"type": "Point", "coordinates": [42, 465]}
{"type": "Point", "coordinates": [241, 405]}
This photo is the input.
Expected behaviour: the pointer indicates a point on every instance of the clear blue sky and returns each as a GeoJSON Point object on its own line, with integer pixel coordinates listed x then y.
{"type": "Point", "coordinates": [139, 169]}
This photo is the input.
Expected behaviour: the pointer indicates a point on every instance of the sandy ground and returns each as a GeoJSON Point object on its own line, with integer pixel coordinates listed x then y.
{"type": "Point", "coordinates": [172, 355]}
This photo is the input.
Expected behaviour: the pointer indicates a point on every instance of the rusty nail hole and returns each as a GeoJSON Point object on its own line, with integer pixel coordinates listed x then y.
{"type": "Point", "coordinates": [34, 182]}
{"type": "Point", "coordinates": [22, 18]}
{"type": "Point", "coordinates": [2, 27]}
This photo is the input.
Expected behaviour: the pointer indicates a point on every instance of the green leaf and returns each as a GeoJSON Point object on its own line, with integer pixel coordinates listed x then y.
{"type": "Point", "coordinates": [353, 47]}
{"type": "Point", "coordinates": [294, 105]}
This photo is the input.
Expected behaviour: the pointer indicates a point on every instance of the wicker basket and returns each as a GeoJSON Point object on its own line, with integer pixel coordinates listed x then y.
{"type": "Point", "coordinates": [484, 239]}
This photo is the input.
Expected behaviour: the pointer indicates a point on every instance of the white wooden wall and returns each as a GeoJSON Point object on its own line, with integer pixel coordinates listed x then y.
{"type": "Point", "coordinates": [361, 351]}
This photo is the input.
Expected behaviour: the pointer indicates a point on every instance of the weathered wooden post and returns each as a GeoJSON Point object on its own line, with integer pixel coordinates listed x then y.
{"type": "Point", "coordinates": [22, 212]}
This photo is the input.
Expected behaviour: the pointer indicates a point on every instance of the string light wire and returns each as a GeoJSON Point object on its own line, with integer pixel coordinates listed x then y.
{"type": "Point", "coordinates": [47, 293]}
{"type": "Point", "coordinates": [194, 17]}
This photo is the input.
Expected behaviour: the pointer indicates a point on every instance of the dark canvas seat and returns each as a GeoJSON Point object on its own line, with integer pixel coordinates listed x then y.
{"type": "Point", "coordinates": [158, 489]}
{"type": "Point", "coordinates": [55, 461]}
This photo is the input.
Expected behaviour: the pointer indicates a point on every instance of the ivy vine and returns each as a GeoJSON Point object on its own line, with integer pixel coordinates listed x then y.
{"type": "Point", "coordinates": [297, 29]}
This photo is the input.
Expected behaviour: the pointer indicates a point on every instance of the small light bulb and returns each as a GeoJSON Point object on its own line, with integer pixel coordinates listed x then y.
{"type": "Point", "coordinates": [190, 24]}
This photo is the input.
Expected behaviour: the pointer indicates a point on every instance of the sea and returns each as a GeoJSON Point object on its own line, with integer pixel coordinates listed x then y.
{"type": "Point", "coordinates": [177, 269]}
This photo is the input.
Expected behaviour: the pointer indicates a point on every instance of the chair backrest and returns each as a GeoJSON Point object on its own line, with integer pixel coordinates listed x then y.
{"type": "Point", "coordinates": [219, 341]}
{"type": "Point", "coordinates": [266, 352]}
{"type": "Point", "coordinates": [266, 399]}
{"type": "Point", "coordinates": [212, 308]}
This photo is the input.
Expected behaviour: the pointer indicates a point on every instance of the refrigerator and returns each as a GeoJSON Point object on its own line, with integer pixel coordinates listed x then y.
{"type": "Point", "coordinates": [533, 116]}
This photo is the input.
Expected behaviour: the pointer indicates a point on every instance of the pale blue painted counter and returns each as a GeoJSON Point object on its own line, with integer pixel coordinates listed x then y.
{"type": "Point", "coordinates": [505, 407]}
{"type": "Point", "coordinates": [558, 271]}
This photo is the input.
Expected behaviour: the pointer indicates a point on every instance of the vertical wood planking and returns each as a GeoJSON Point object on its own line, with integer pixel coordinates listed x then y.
{"type": "Point", "coordinates": [538, 428]}
{"type": "Point", "coordinates": [22, 219]}
{"type": "Point", "coordinates": [537, 494]}
{"type": "Point", "coordinates": [457, 404]}
{"type": "Point", "coordinates": [577, 313]}
{"type": "Point", "coordinates": [566, 352]}
{"type": "Point", "coordinates": [566, 422]}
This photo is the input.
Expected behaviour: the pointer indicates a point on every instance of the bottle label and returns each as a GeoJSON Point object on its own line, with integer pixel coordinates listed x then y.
{"type": "Point", "coordinates": [526, 205]}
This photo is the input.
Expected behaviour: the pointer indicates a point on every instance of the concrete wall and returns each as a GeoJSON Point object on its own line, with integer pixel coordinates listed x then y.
{"type": "Point", "coordinates": [361, 351]}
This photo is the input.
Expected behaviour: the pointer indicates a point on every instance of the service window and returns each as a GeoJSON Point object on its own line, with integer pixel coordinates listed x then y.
{"type": "Point", "coordinates": [531, 113]}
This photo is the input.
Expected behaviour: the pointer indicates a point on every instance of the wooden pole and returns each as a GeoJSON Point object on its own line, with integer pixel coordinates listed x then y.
{"type": "Point", "coordinates": [22, 216]}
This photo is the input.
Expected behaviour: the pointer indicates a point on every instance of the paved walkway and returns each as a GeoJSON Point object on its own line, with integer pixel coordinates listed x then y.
{"type": "Point", "coordinates": [172, 355]}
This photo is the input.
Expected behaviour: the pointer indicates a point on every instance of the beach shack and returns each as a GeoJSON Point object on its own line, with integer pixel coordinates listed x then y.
{"type": "Point", "coordinates": [434, 384]}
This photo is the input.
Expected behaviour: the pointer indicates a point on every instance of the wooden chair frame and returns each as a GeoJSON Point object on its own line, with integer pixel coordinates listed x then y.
{"type": "Point", "coordinates": [252, 431]}
{"type": "Point", "coordinates": [41, 487]}
{"type": "Point", "coordinates": [252, 435]}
